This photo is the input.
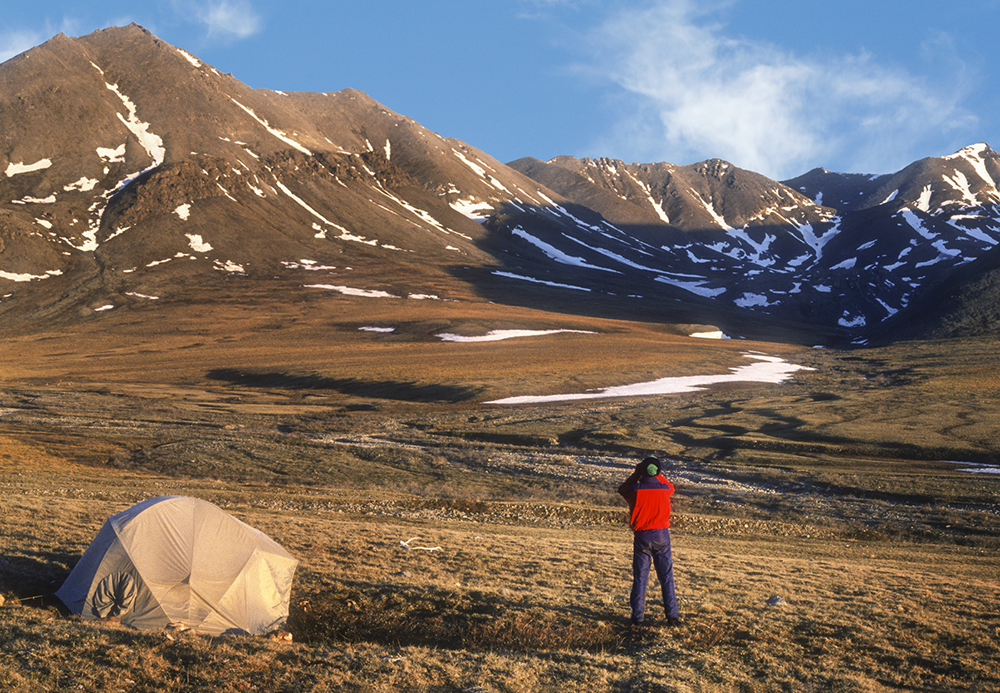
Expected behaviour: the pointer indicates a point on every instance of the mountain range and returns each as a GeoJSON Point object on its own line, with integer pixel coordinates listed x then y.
{"type": "Point", "coordinates": [133, 174]}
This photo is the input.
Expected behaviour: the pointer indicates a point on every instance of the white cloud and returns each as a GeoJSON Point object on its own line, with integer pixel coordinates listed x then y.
{"type": "Point", "coordinates": [697, 92]}
{"type": "Point", "coordinates": [16, 42]}
{"type": "Point", "coordinates": [223, 19]}
{"type": "Point", "coordinates": [230, 19]}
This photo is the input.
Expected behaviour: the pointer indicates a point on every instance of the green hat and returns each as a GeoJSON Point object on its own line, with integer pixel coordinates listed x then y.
{"type": "Point", "coordinates": [652, 467]}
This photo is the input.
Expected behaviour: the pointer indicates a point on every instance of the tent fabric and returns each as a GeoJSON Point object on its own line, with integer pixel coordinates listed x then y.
{"type": "Point", "coordinates": [183, 561]}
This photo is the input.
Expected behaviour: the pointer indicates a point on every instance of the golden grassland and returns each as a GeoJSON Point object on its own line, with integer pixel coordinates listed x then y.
{"type": "Point", "coordinates": [834, 491]}
{"type": "Point", "coordinates": [320, 337]}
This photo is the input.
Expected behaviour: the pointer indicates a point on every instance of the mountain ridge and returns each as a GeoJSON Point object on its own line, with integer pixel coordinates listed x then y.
{"type": "Point", "coordinates": [133, 169]}
{"type": "Point", "coordinates": [940, 212]}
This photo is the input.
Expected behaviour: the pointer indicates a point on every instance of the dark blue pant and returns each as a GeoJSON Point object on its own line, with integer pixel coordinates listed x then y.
{"type": "Point", "coordinates": [652, 546]}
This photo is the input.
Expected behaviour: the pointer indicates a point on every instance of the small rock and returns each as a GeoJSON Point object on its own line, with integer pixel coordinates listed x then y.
{"type": "Point", "coordinates": [775, 600]}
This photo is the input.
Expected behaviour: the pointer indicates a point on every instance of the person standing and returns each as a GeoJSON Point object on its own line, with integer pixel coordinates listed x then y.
{"type": "Point", "coordinates": [648, 494]}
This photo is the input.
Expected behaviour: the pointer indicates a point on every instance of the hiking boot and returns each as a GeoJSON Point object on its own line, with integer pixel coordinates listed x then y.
{"type": "Point", "coordinates": [636, 621]}
{"type": "Point", "coordinates": [674, 622]}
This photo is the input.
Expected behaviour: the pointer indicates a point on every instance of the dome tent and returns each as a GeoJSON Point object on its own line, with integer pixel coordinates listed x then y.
{"type": "Point", "coordinates": [176, 560]}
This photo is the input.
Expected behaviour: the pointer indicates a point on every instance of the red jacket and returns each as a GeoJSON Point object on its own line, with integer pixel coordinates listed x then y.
{"type": "Point", "coordinates": [648, 500]}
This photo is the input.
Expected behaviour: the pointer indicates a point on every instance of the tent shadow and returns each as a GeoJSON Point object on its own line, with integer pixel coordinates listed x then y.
{"type": "Point", "coordinates": [34, 576]}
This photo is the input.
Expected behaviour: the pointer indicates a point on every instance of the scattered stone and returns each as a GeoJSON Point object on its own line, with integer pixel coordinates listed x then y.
{"type": "Point", "coordinates": [776, 600]}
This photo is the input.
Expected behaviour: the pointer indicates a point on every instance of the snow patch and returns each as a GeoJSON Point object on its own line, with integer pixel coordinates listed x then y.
{"type": "Point", "coordinates": [420, 214]}
{"type": "Point", "coordinates": [817, 243]}
{"type": "Point", "coordinates": [19, 168]}
{"type": "Point", "coordinates": [555, 254]}
{"type": "Point", "coordinates": [480, 171]}
{"type": "Point", "coordinates": [961, 184]}
{"type": "Point", "coordinates": [976, 468]}
{"type": "Point", "coordinates": [112, 156]}
{"type": "Point", "coordinates": [719, 219]}
{"type": "Point", "coordinates": [856, 321]}
{"type": "Point", "coordinates": [28, 199]}
{"type": "Point", "coordinates": [767, 369]}
{"type": "Point", "coordinates": [228, 266]}
{"type": "Point", "coordinates": [657, 206]}
{"type": "Point", "coordinates": [972, 233]}
{"type": "Point", "coordinates": [612, 255]}
{"type": "Point", "coordinates": [308, 265]}
{"type": "Point", "coordinates": [473, 209]}
{"type": "Point", "coordinates": [352, 291]}
{"type": "Point", "coordinates": [974, 155]}
{"type": "Point", "coordinates": [11, 276]}
{"type": "Point", "coordinates": [197, 244]}
{"type": "Point", "coordinates": [277, 133]}
{"type": "Point", "coordinates": [190, 58]}
{"type": "Point", "coordinates": [83, 185]}
{"type": "Point", "coordinates": [892, 196]}
{"type": "Point", "coordinates": [698, 287]}
{"type": "Point", "coordinates": [917, 224]}
{"type": "Point", "coordinates": [499, 335]}
{"type": "Point", "coordinates": [521, 277]}
{"type": "Point", "coordinates": [302, 203]}
{"type": "Point", "coordinates": [749, 300]}
{"type": "Point", "coordinates": [153, 144]}
{"type": "Point", "coordinates": [184, 212]}
{"type": "Point", "coordinates": [924, 201]}
{"type": "Point", "coordinates": [117, 232]}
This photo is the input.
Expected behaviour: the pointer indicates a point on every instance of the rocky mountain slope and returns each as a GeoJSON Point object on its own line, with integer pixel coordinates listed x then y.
{"type": "Point", "coordinates": [135, 172]}
{"type": "Point", "coordinates": [840, 250]}
{"type": "Point", "coordinates": [132, 172]}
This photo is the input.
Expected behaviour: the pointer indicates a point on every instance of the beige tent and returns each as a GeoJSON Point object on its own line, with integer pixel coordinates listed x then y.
{"type": "Point", "coordinates": [182, 561]}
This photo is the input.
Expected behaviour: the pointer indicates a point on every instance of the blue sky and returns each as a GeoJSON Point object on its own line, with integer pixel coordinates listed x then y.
{"type": "Point", "coordinates": [774, 86]}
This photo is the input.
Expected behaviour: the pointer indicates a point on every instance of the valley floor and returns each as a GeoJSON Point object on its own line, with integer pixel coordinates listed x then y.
{"type": "Point", "coordinates": [882, 590]}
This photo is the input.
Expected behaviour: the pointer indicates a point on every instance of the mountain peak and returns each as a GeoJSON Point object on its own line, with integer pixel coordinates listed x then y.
{"type": "Point", "coordinates": [132, 29]}
{"type": "Point", "coordinates": [977, 150]}
{"type": "Point", "coordinates": [717, 168]}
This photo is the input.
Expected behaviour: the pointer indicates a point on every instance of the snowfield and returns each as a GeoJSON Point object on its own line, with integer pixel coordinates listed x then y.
{"type": "Point", "coordinates": [499, 335]}
{"type": "Point", "coordinates": [766, 369]}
